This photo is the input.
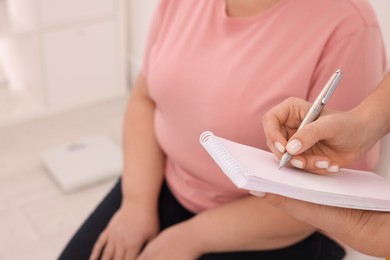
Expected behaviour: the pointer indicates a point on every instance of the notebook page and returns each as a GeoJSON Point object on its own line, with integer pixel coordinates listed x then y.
{"type": "Point", "coordinates": [348, 182]}
{"type": "Point", "coordinates": [253, 169]}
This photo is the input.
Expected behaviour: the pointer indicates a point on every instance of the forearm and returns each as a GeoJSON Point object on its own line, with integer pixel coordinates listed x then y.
{"type": "Point", "coordinates": [246, 224]}
{"type": "Point", "coordinates": [375, 113]}
{"type": "Point", "coordinates": [143, 158]}
{"type": "Point", "coordinates": [366, 231]}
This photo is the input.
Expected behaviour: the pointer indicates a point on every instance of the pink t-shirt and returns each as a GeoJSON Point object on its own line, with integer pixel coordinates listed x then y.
{"type": "Point", "coordinates": [208, 71]}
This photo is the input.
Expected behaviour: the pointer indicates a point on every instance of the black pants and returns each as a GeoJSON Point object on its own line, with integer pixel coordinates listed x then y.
{"type": "Point", "coordinates": [315, 247]}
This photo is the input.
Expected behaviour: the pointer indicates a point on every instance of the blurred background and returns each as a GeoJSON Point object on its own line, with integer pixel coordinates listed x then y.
{"type": "Point", "coordinates": [65, 72]}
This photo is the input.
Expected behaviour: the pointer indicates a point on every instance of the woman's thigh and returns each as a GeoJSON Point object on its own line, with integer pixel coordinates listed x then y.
{"type": "Point", "coordinates": [171, 212]}
{"type": "Point", "coordinates": [315, 247]}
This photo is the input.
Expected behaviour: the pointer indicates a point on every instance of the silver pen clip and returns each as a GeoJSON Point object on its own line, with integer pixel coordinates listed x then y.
{"type": "Point", "coordinates": [332, 87]}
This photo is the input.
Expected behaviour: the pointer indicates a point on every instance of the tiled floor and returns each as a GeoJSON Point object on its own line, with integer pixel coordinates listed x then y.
{"type": "Point", "coordinates": [36, 217]}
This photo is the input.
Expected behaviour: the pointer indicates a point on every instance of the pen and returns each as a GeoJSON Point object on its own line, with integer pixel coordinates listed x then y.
{"type": "Point", "coordinates": [316, 108]}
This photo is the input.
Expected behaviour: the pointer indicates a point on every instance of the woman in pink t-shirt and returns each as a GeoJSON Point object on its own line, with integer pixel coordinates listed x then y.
{"type": "Point", "coordinates": [220, 65]}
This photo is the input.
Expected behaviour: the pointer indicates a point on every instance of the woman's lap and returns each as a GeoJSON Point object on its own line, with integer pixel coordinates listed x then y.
{"type": "Point", "coordinates": [315, 247]}
{"type": "Point", "coordinates": [81, 244]}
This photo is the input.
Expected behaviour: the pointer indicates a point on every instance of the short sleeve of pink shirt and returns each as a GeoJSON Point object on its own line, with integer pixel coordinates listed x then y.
{"type": "Point", "coordinates": [208, 71]}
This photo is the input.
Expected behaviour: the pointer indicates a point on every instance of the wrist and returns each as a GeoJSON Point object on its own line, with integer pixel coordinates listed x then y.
{"type": "Point", "coordinates": [369, 127]}
{"type": "Point", "coordinates": [144, 197]}
{"type": "Point", "coordinates": [374, 113]}
{"type": "Point", "coordinates": [188, 236]}
{"type": "Point", "coordinates": [199, 240]}
{"type": "Point", "coordinates": [138, 205]}
{"type": "Point", "coordinates": [368, 232]}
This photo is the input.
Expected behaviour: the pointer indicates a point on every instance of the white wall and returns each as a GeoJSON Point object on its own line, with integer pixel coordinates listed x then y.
{"type": "Point", "coordinates": [140, 13]}
{"type": "Point", "coordinates": [382, 9]}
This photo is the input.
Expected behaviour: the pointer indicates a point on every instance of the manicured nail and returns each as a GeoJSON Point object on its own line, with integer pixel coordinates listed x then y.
{"type": "Point", "coordinates": [297, 163]}
{"type": "Point", "coordinates": [257, 193]}
{"type": "Point", "coordinates": [322, 164]}
{"type": "Point", "coordinates": [294, 146]}
{"type": "Point", "coordinates": [333, 168]}
{"type": "Point", "coordinates": [279, 146]}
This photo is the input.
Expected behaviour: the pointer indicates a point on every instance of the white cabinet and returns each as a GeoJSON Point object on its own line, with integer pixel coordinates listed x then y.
{"type": "Point", "coordinates": [64, 54]}
{"type": "Point", "coordinates": [81, 64]}
{"type": "Point", "coordinates": [54, 11]}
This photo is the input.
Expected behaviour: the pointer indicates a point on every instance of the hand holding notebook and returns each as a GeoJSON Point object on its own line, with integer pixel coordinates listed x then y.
{"type": "Point", "coordinates": [257, 170]}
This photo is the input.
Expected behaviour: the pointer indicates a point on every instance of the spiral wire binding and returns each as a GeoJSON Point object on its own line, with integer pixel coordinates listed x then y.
{"type": "Point", "coordinates": [223, 158]}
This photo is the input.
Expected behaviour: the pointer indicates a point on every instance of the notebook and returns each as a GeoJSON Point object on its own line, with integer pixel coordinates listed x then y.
{"type": "Point", "coordinates": [254, 169]}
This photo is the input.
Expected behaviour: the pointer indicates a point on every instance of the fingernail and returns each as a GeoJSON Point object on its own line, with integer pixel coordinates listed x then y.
{"type": "Point", "coordinates": [297, 163]}
{"type": "Point", "coordinates": [294, 146]}
{"type": "Point", "coordinates": [279, 146]}
{"type": "Point", "coordinates": [322, 164]}
{"type": "Point", "coordinates": [257, 193]}
{"type": "Point", "coordinates": [333, 168]}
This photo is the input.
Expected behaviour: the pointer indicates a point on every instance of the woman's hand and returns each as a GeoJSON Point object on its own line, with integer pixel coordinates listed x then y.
{"type": "Point", "coordinates": [366, 231]}
{"type": "Point", "coordinates": [128, 231]}
{"type": "Point", "coordinates": [176, 242]}
{"type": "Point", "coordinates": [334, 140]}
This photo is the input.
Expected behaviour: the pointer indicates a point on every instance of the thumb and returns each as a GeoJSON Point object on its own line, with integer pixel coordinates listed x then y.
{"type": "Point", "coordinates": [328, 218]}
{"type": "Point", "coordinates": [309, 135]}
{"type": "Point", "coordinates": [302, 210]}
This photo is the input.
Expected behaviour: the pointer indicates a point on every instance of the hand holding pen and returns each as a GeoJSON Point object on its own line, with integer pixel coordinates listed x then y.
{"type": "Point", "coordinates": [316, 108]}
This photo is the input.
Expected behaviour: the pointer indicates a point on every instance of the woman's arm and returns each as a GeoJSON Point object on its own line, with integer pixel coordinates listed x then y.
{"type": "Point", "coordinates": [375, 112]}
{"type": "Point", "coordinates": [338, 138]}
{"type": "Point", "coordinates": [365, 231]}
{"type": "Point", "coordinates": [136, 221]}
{"type": "Point", "coordinates": [143, 158]}
{"type": "Point", "coordinates": [249, 223]}
{"type": "Point", "coordinates": [246, 224]}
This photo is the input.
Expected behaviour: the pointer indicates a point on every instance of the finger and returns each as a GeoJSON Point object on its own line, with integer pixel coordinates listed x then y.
{"type": "Point", "coordinates": [143, 255]}
{"type": "Point", "coordinates": [276, 200]}
{"type": "Point", "coordinates": [331, 219]}
{"type": "Point", "coordinates": [310, 134]}
{"type": "Point", "coordinates": [272, 125]}
{"type": "Point", "coordinates": [320, 164]}
{"type": "Point", "coordinates": [272, 129]}
{"type": "Point", "coordinates": [314, 163]}
{"type": "Point", "coordinates": [276, 121]}
{"type": "Point", "coordinates": [140, 257]}
{"type": "Point", "coordinates": [257, 193]}
{"type": "Point", "coordinates": [131, 255]}
{"type": "Point", "coordinates": [108, 252]}
{"type": "Point", "coordinates": [277, 148]}
{"type": "Point", "coordinates": [119, 253]}
{"type": "Point", "coordinates": [99, 245]}
{"type": "Point", "coordinates": [298, 208]}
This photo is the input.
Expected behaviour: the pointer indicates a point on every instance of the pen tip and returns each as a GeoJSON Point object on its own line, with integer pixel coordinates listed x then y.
{"type": "Point", "coordinates": [281, 164]}
{"type": "Point", "coordinates": [284, 160]}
